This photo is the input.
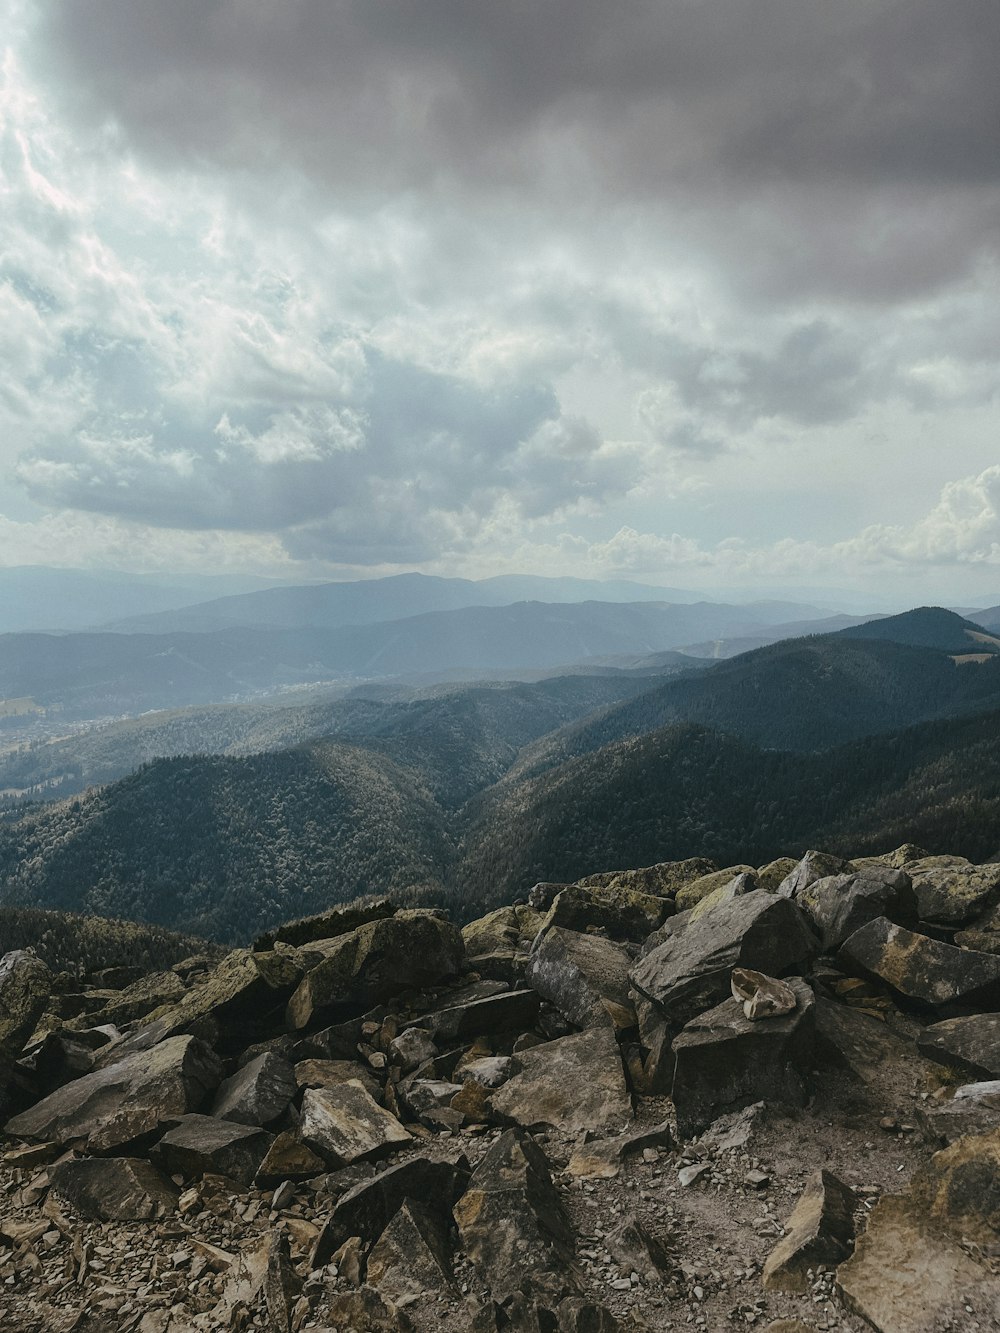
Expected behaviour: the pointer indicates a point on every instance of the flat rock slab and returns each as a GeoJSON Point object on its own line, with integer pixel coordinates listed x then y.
{"type": "Point", "coordinates": [725, 1061]}
{"type": "Point", "coordinates": [921, 968]}
{"type": "Point", "coordinates": [584, 976]}
{"type": "Point", "coordinates": [366, 1210]}
{"type": "Point", "coordinates": [690, 971]}
{"type": "Point", "coordinates": [114, 1189]}
{"type": "Point", "coordinates": [907, 1278]}
{"type": "Point", "coordinates": [258, 1093]}
{"type": "Point", "coordinates": [574, 1083]}
{"type": "Point", "coordinates": [200, 1144]}
{"type": "Point", "coordinates": [127, 1102]}
{"type": "Point", "coordinates": [820, 1231]}
{"type": "Point", "coordinates": [411, 949]}
{"type": "Point", "coordinates": [971, 1044]}
{"type": "Point", "coordinates": [346, 1124]}
{"type": "Point", "coordinates": [511, 1221]}
{"type": "Point", "coordinates": [508, 1011]}
{"type": "Point", "coordinates": [623, 913]}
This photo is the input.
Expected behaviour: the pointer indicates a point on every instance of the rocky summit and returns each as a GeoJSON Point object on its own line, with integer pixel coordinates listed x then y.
{"type": "Point", "coordinates": [678, 1097]}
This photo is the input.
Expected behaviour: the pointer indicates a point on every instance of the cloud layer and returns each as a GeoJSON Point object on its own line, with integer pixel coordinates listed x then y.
{"type": "Point", "coordinates": [342, 286]}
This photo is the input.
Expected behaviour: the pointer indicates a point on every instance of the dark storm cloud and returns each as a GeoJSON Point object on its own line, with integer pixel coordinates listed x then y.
{"type": "Point", "coordinates": [789, 124]}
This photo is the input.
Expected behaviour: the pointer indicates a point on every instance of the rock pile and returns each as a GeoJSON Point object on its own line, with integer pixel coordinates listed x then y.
{"type": "Point", "coordinates": [666, 1098]}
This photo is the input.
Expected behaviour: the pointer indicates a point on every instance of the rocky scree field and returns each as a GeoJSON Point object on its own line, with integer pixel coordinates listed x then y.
{"type": "Point", "coordinates": [684, 1096]}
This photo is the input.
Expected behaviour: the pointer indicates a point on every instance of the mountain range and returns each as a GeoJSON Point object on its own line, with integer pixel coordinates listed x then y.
{"type": "Point", "coordinates": [468, 795]}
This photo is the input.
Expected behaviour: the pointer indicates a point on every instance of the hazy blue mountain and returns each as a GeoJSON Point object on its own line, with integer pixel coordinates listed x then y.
{"type": "Point", "coordinates": [90, 675]}
{"type": "Point", "coordinates": [36, 597]}
{"type": "Point", "coordinates": [796, 629]}
{"type": "Point", "coordinates": [370, 601]}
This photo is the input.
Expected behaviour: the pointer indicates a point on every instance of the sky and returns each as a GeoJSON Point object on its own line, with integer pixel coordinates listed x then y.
{"type": "Point", "coordinates": [696, 292]}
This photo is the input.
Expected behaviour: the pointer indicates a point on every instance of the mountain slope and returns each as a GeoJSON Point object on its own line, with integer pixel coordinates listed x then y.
{"type": "Point", "coordinates": [801, 694]}
{"type": "Point", "coordinates": [222, 847]}
{"type": "Point", "coordinates": [684, 791]}
{"type": "Point", "coordinates": [927, 627]}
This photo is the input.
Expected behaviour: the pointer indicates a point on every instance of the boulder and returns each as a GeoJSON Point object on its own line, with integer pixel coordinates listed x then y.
{"type": "Point", "coordinates": [114, 1189]}
{"type": "Point", "coordinates": [328, 925]}
{"type": "Point", "coordinates": [771, 875]}
{"type": "Point", "coordinates": [574, 1083]}
{"type": "Point", "coordinates": [505, 1011]}
{"type": "Point", "coordinates": [690, 971]}
{"type": "Point", "coordinates": [813, 866]}
{"type": "Point", "coordinates": [584, 976]}
{"type": "Point", "coordinates": [489, 1071]}
{"type": "Point", "coordinates": [412, 1255]}
{"type": "Point", "coordinates": [601, 1159]}
{"type": "Point", "coordinates": [200, 1145]}
{"type": "Point", "coordinates": [920, 968]}
{"type": "Point", "coordinates": [502, 931]}
{"type": "Point", "coordinates": [662, 880]}
{"type": "Point", "coordinates": [958, 1191]}
{"type": "Point", "coordinates": [378, 960]}
{"type": "Point", "coordinates": [287, 1158]}
{"type": "Point", "coordinates": [512, 1224]}
{"type": "Point", "coordinates": [25, 987]}
{"type": "Point", "coordinates": [411, 1049]}
{"type": "Point", "coordinates": [345, 1124]}
{"type": "Point", "coordinates": [974, 1109]}
{"type": "Point", "coordinates": [334, 1073]}
{"type": "Point", "coordinates": [725, 893]}
{"type": "Point", "coordinates": [141, 997]}
{"type": "Point", "coordinates": [819, 1232]}
{"type": "Point", "coordinates": [955, 895]}
{"type": "Point", "coordinates": [365, 1311]}
{"type": "Point", "coordinates": [622, 913]}
{"type": "Point", "coordinates": [635, 1249]}
{"type": "Point", "coordinates": [761, 996]}
{"type": "Point", "coordinates": [874, 1053]}
{"type": "Point", "coordinates": [366, 1209]}
{"type": "Point", "coordinates": [258, 1093]}
{"type": "Point", "coordinates": [970, 1045]}
{"type": "Point", "coordinates": [689, 895]}
{"type": "Point", "coordinates": [282, 1284]}
{"type": "Point", "coordinates": [127, 1103]}
{"type": "Point", "coordinates": [905, 1277]}
{"type": "Point", "coordinates": [725, 1061]}
{"type": "Point", "coordinates": [838, 905]}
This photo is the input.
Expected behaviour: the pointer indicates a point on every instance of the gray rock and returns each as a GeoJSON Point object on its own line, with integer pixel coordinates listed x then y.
{"type": "Point", "coordinates": [974, 1109]}
{"type": "Point", "coordinates": [365, 1311]}
{"type": "Point", "coordinates": [724, 1061]}
{"type": "Point", "coordinates": [287, 1158]}
{"type": "Point", "coordinates": [127, 1103]}
{"type": "Point", "coordinates": [489, 1071]}
{"type": "Point", "coordinates": [366, 1210]}
{"type": "Point", "coordinates": [813, 866]}
{"type": "Point", "coordinates": [114, 1189]}
{"type": "Point", "coordinates": [920, 968]}
{"type": "Point", "coordinates": [955, 895]}
{"type": "Point", "coordinates": [25, 987]}
{"type": "Point", "coordinates": [584, 976]}
{"type": "Point", "coordinates": [691, 970]}
{"type": "Point", "coordinates": [347, 1125]}
{"type": "Point", "coordinates": [636, 1249]}
{"type": "Point", "coordinates": [601, 1159]}
{"type": "Point", "coordinates": [744, 882]}
{"type": "Point", "coordinates": [970, 1045]}
{"type": "Point", "coordinates": [328, 925]}
{"type": "Point", "coordinates": [412, 1255]}
{"type": "Point", "coordinates": [200, 1144]}
{"type": "Point", "coordinates": [574, 1083]}
{"type": "Point", "coordinates": [411, 1049]}
{"type": "Point", "coordinates": [838, 905]}
{"type": "Point", "coordinates": [820, 1231]}
{"type": "Point", "coordinates": [512, 1224]}
{"type": "Point", "coordinates": [506, 1011]}
{"type": "Point", "coordinates": [142, 997]}
{"type": "Point", "coordinates": [621, 912]}
{"type": "Point", "coordinates": [282, 1284]}
{"type": "Point", "coordinates": [334, 1073]}
{"type": "Point", "coordinates": [258, 1093]}
{"type": "Point", "coordinates": [378, 960]}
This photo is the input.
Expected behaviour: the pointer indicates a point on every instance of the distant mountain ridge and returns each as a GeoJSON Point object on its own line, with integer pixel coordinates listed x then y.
{"type": "Point", "coordinates": [371, 601]}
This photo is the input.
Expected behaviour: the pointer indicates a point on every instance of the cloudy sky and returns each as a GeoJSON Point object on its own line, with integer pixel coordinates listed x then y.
{"type": "Point", "coordinates": [700, 292]}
